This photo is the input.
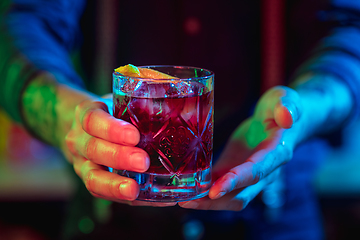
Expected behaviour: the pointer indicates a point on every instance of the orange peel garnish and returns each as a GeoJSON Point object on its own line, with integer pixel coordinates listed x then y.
{"type": "Point", "coordinates": [129, 71]}
{"type": "Point", "coordinates": [133, 71]}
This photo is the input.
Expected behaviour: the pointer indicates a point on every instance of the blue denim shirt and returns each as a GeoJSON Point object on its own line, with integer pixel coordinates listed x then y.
{"type": "Point", "coordinates": [37, 35]}
{"type": "Point", "coordinates": [339, 52]}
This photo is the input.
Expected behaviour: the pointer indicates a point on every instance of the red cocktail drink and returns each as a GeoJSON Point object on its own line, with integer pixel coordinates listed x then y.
{"type": "Point", "coordinates": [175, 120]}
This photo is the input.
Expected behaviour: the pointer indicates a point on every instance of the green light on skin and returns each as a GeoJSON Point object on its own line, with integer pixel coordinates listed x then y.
{"type": "Point", "coordinates": [86, 225]}
{"type": "Point", "coordinates": [256, 134]}
{"type": "Point", "coordinates": [252, 133]}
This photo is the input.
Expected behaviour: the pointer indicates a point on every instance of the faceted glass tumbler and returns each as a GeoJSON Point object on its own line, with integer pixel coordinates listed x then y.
{"type": "Point", "coordinates": [175, 119]}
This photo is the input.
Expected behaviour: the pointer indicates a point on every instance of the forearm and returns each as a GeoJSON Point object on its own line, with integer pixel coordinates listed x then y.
{"type": "Point", "coordinates": [327, 103]}
{"type": "Point", "coordinates": [48, 107]}
{"type": "Point", "coordinates": [36, 36]}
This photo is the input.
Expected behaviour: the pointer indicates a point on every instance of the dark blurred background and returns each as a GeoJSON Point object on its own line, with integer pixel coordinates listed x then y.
{"type": "Point", "coordinates": [251, 45]}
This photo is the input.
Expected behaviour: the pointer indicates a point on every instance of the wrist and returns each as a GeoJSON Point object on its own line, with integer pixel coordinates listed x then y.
{"type": "Point", "coordinates": [327, 102]}
{"type": "Point", "coordinates": [48, 108]}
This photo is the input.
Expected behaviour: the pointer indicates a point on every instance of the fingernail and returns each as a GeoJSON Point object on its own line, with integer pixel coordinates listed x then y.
{"type": "Point", "coordinates": [126, 191]}
{"type": "Point", "coordinates": [219, 195]}
{"type": "Point", "coordinates": [190, 205]}
{"type": "Point", "coordinates": [293, 111]}
{"type": "Point", "coordinates": [138, 162]}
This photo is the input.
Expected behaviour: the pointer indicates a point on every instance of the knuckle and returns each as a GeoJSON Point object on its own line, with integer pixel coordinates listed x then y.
{"type": "Point", "coordinates": [69, 142]}
{"type": "Point", "coordinates": [84, 110]}
{"type": "Point", "coordinates": [90, 148]}
{"type": "Point", "coordinates": [114, 189]}
{"type": "Point", "coordinates": [233, 178]}
{"type": "Point", "coordinates": [81, 107]}
{"type": "Point", "coordinates": [89, 180]}
{"type": "Point", "coordinates": [258, 176]}
{"type": "Point", "coordinates": [78, 109]}
{"type": "Point", "coordinates": [86, 120]}
{"type": "Point", "coordinates": [115, 155]}
{"type": "Point", "coordinates": [68, 137]}
{"type": "Point", "coordinates": [231, 175]}
{"type": "Point", "coordinates": [258, 173]}
{"type": "Point", "coordinates": [286, 152]}
{"type": "Point", "coordinates": [77, 169]}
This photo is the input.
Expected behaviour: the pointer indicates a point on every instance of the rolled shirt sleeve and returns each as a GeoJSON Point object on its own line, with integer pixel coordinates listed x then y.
{"type": "Point", "coordinates": [35, 36]}
{"type": "Point", "coordinates": [339, 52]}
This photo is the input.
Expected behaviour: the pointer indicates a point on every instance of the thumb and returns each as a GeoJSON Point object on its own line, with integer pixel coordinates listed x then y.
{"type": "Point", "coordinates": [288, 109]}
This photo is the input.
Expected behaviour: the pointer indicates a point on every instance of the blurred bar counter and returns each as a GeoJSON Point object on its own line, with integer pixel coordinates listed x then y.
{"type": "Point", "coordinates": [338, 187]}
{"type": "Point", "coordinates": [29, 169]}
{"type": "Point", "coordinates": [339, 176]}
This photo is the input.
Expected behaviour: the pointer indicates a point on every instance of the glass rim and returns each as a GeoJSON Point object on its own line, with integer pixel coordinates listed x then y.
{"type": "Point", "coordinates": [209, 75]}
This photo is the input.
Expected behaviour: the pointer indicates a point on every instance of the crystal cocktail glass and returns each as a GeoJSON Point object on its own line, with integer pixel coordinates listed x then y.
{"type": "Point", "coordinates": [175, 121]}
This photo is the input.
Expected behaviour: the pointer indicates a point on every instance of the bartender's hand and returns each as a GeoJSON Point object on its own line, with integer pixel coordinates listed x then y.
{"type": "Point", "coordinates": [254, 153]}
{"type": "Point", "coordinates": [96, 140]}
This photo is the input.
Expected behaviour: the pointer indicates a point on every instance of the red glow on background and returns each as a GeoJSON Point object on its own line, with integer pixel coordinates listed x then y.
{"type": "Point", "coordinates": [273, 43]}
{"type": "Point", "coordinates": [192, 26]}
